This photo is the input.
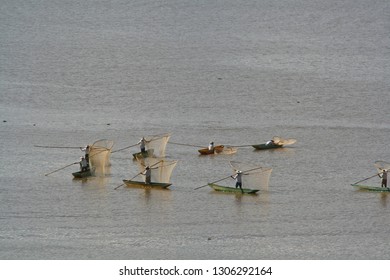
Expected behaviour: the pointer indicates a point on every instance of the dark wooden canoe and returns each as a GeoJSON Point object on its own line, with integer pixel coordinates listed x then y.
{"type": "Point", "coordinates": [147, 153]}
{"type": "Point", "coordinates": [265, 146]}
{"type": "Point", "coordinates": [139, 184]}
{"type": "Point", "coordinates": [230, 189]}
{"type": "Point", "coordinates": [82, 174]}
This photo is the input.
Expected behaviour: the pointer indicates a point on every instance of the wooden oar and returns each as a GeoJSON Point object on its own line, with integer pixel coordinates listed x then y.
{"type": "Point", "coordinates": [124, 148]}
{"type": "Point", "coordinates": [137, 175]}
{"type": "Point", "coordinates": [189, 145]}
{"type": "Point", "coordinates": [213, 182]}
{"type": "Point", "coordinates": [129, 180]}
{"type": "Point", "coordinates": [56, 147]}
{"type": "Point", "coordinates": [226, 178]}
{"type": "Point", "coordinates": [61, 168]}
{"type": "Point", "coordinates": [241, 146]}
{"type": "Point", "coordinates": [366, 179]}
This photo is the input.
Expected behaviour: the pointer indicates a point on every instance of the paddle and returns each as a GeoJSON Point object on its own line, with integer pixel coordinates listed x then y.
{"type": "Point", "coordinates": [366, 179]}
{"type": "Point", "coordinates": [241, 146]}
{"type": "Point", "coordinates": [129, 180]}
{"type": "Point", "coordinates": [61, 168]}
{"type": "Point", "coordinates": [189, 145]}
{"type": "Point", "coordinates": [226, 178]}
{"type": "Point", "coordinates": [124, 148]}
{"type": "Point", "coordinates": [137, 175]}
{"type": "Point", "coordinates": [57, 147]}
{"type": "Point", "coordinates": [213, 182]}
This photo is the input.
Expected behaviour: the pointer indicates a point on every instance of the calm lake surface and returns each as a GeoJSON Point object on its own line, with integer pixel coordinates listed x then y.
{"type": "Point", "coordinates": [232, 72]}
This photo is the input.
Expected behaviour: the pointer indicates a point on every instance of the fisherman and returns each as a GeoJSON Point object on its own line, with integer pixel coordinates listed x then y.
{"type": "Point", "coordinates": [270, 142]}
{"type": "Point", "coordinates": [86, 149]}
{"type": "Point", "coordinates": [238, 178]}
{"type": "Point", "coordinates": [147, 172]}
{"type": "Point", "coordinates": [211, 146]}
{"type": "Point", "coordinates": [384, 178]}
{"type": "Point", "coordinates": [84, 166]}
{"type": "Point", "coordinates": [142, 143]}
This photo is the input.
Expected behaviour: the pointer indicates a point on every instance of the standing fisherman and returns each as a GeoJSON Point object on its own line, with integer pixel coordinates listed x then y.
{"type": "Point", "coordinates": [238, 178]}
{"type": "Point", "coordinates": [384, 178]}
{"type": "Point", "coordinates": [83, 164]}
{"type": "Point", "coordinates": [147, 173]}
{"type": "Point", "coordinates": [211, 146]}
{"type": "Point", "coordinates": [86, 150]}
{"type": "Point", "coordinates": [142, 143]}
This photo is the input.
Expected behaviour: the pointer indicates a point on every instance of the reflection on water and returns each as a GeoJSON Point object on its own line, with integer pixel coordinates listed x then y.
{"type": "Point", "coordinates": [383, 199]}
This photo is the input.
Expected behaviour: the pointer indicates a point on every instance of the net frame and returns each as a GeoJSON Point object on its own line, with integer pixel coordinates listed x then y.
{"type": "Point", "coordinates": [99, 156]}
{"type": "Point", "coordinates": [254, 176]}
{"type": "Point", "coordinates": [284, 142]}
{"type": "Point", "coordinates": [157, 144]}
{"type": "Point", "coordinates": [381, 165]}
{"type": "Point", "coordinates": [161, 168]}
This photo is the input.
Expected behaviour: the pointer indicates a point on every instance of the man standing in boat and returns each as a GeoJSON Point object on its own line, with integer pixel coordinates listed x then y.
{"type": "Point", "coordinates": [83, 164]}
{"type": "Point", "coordinates": [142, 143]}
{"type": "Point", "coordinates": [238, 178]}
{"type": "Point", "coordinates": [211, 146]}
{"type": "Point", "coordinates": [384, 178]}
{"type": "Point", "coordinates": [147, 173]}
{"type": "Point", "coordinates": [86, 150]}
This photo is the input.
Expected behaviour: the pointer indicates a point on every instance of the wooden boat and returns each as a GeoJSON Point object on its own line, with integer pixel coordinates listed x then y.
{"type": "Point", "coordinates": [216, 150]}
{"type": "Point", "coordinates": [266, 146]}
{"type": "Point", "coordinates": [139, 184]}
{"type": "Point", "coordinates": [83, 174]}
{"type": "Point", "coordinates": [147, 153]}
{"type": "Point", "coordinates": [371, 188]}
{"type": "Point", "coordinates": [231, 189]}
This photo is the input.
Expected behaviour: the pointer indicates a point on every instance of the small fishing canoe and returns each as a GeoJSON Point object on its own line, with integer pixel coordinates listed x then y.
{"type": "Point", "coordinates": [139, 184]}
{"type": "Point", "coordinates": [216, 150]}
{"type": "Point", "coordinates": [230, 189]}
{"type": "Point", "coordinates": [371, 188]}
{"type": "Point", "coordinates": [266, 146]}
{"type": "Point", "coordinates": [82, 174]}
{"type": "Point", "coordinates": [147, 153]}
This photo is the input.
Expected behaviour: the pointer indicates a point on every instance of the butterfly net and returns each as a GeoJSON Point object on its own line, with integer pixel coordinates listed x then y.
{"type": "Point", "coordinates": [280, 141]}
{"type": "Point", "coordinates": [161, 169]}
{"type": "Point", "coordinates": [99, 156]}
{"type": "Point", "coordinates": [382, 165]}
{"type": "Point", "coordinates": [254, 176]}
{"type": "Point", "coordinates": [227, 151]}
{"type": "Point", "coordinates": [157, 144]}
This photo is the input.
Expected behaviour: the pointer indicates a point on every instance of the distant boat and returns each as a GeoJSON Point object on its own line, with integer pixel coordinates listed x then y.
{"type": "Point", "coordinates": [154, 147]}
{"type": "Point", "coordinates": [147, 153]}
{"type": "Point", "coordinates": [215, 150]}
{"type": "Point", "coordinates": [139, 184]}
{"type": "Point", "coordinates": [220, 149]}
{"type": "Point", "coordinates": [161, 171]}
{"type": "Point", "coordinates": [98, 160]}
{"type": "Point", "coordinates": [371, 188]}
{"type": "Point", "coordinates": [254, 178]}
{"type": "Point", "coordinates": [266, 146]}
{"type": "Point", "coordinates": [275, 143]}
{"type": "Point", "coordinates": [231, 189]}
{"type": "Point", "coordinates": [82, 174]}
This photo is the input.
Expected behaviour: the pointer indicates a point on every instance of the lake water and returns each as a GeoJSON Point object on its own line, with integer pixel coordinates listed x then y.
{"type": "Point", "coordinates": [232, 72]}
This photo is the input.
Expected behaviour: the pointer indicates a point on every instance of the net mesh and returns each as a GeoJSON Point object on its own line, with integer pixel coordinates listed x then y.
{"type": "Point", "coordinates": [254, 176]}
{"type": "Point", "coordinates": [280, 141]}
{"type": "Point", "coordinates": [228, 151]}
{"type": "Point", "coordinates": [157, 143]}
{"type": "Point", "coordinates": [382, 165]}
{"type": "Point", "coordinates": [99, 156]}
{"type": "Point", "coordinates": [161, 169]}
